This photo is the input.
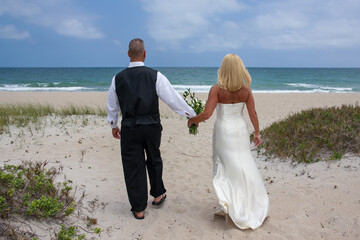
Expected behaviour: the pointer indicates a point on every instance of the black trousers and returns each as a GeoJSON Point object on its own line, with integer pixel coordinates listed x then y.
{"type": "Point", "coordinates": [135, 142]}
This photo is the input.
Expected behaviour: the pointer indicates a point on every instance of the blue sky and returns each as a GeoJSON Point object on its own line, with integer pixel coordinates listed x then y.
{"type": "Point", "coordinates": [89, 33]}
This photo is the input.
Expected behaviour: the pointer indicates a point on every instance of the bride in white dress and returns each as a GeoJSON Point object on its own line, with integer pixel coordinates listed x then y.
{"type": "Point", "coordinates": [236, 178]}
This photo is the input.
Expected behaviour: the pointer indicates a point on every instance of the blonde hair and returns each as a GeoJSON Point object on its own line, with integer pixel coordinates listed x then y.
{"type": "Point", "coordinates": [232, 74]}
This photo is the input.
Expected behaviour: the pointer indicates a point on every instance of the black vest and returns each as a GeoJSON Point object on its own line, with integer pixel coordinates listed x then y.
{"type": "Point", "coordinates": [136, 91]}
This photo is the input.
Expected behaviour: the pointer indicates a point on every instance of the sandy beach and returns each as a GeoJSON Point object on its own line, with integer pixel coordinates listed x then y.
{"type": "Point", "coordinates": [307, 201]}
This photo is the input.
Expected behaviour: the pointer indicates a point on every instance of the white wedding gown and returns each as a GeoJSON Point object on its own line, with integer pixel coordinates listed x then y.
{"type": "Point", "coordinates": [236, 178]}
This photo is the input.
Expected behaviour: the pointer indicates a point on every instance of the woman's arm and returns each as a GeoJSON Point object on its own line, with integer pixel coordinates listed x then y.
{"type": "Point", "coordinates": [250, 105]}
{"type": "Point", "coordinates": [209, 107]}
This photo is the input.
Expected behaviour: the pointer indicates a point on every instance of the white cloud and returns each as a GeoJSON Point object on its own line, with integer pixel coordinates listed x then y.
{"type": "Point", "coordinates": [280, 20]}
{"type": "Point", "coordinates": [74, 27]}
{"type": "Point", "coordinates": [19, 8]}
{"type": "Point", "coordinates": [59, 15]}
{"type": "Point", "coordinates": [213, 42]}
{"type": "Point", "coordinates": [11, 32]}
{"type": "Point", "coordinates": [171, 21]}
{"type": "Point", "coordinates": [209, 25]}
{"type": "Point", "coordinates": [117, 42]}
{"type": "Point", "coordinates": [308, 24]}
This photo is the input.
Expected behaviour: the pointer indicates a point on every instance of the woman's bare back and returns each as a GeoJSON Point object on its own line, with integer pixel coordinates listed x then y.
{"type": "Point", "coordinates": [225, 96]}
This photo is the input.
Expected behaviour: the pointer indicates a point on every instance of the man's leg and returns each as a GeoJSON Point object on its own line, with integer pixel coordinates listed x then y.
{"type": "Point", "coordinates": [154, 162]}
{"type": "Point", "coordinates": [133, 160]}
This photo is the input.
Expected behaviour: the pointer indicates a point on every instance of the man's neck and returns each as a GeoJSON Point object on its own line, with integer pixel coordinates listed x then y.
{"type": "Point", "coordinates": [137, 60]}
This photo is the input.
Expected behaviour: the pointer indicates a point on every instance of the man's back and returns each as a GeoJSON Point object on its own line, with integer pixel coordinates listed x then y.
{"type": "Point", "coordinates": [138, 100]}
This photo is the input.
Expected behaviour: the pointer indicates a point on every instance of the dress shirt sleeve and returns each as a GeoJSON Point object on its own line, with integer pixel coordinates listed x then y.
{"type": "Point", "coordinates": [113, 107]}
{"type": "Point", "coordinates": [172, 98]}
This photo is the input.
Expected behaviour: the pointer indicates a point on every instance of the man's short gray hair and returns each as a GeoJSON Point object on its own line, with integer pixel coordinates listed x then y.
{"type": "Point", "coordinates": [136, 47]}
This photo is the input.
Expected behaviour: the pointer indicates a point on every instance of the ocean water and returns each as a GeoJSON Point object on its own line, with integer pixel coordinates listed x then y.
{"type": "Point", "coordinates": [198, 79]}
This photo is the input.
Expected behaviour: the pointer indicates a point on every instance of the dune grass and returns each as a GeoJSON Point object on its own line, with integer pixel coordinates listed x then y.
{"type": "Point", "coordinates": [315, 134]}
{"type": "Point", "coordinates": [21, 115]}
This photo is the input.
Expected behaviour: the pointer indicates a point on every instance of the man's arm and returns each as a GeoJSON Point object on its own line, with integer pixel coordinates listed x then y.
{"type": "Point", "coordinates": [172, 98]}
{"type": "Point", "coordinates": [113, 109]}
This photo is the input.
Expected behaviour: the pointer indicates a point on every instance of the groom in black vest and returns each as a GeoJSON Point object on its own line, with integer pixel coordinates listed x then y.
{"type": "Point", "coordinates": [135, 92]}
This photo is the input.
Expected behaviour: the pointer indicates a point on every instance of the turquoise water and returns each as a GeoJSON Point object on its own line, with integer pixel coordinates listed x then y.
{"type": "Point", "coordinates": [198, 79]}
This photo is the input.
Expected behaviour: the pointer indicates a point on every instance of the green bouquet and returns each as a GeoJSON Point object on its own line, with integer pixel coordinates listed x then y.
{"type": "Point", "coordinates": [196, 104]}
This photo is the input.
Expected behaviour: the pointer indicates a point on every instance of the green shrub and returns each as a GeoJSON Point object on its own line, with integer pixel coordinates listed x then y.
{"type": "Point", "coordinates": [29, 190]}
{"type": "Point", "coordinates": [315, 134]}
{"type": "Point", "coordinates": [68, 233]}
{"type": "Point", "coordinates": [3, 204]}
{"type": "Point", "coordinates": [44, 207]}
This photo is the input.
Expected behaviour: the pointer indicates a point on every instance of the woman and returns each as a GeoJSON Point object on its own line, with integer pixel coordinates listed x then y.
{"type": "Point", "coordinates": [236, 178]}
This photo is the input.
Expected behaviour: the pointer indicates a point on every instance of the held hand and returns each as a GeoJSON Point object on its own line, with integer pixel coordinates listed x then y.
{"type": "Point", "coordinates": [116, 133]}
{"type": "Point", "coordinates": [191, 123]}
{"type": "Point", "coordinates": [257, 140]}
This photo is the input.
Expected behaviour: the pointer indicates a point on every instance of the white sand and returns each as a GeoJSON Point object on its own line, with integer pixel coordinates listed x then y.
{"type": "Point", "coordinates": [304, 202]}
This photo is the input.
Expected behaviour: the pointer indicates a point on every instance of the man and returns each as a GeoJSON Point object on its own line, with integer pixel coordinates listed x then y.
{"type": "Point", "coordinates": [135, 92]}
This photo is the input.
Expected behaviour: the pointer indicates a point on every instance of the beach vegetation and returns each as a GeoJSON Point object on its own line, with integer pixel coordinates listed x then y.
{"type": "Point", "coordinates": [29, 191]}
{"type": "Point", "coordinates": [315, 134]}
{"type": "Point", "coordinates": [21, 115]}
{"type": "Point", "coordinates": [68, 233]}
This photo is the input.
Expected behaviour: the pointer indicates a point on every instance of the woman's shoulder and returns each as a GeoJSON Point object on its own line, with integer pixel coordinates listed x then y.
{"type": "Point", "coordinates": [245, 93]}
{"type": "Point", "coordinates": [215, 88]}
{"type": "Point", "coordinates": [245, 89]}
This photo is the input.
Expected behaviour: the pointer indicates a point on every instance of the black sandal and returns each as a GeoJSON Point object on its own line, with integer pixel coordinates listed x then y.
{"type": "Point", "coordinates": [159, 202]}
{"type": "Point", "coordinates": [137, 217]}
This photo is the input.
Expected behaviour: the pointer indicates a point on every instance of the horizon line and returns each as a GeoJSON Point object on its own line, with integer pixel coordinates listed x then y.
{"type": "Point", "coordinates": [169, 67]}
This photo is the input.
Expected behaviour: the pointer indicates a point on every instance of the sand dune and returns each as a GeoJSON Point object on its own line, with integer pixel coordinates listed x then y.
{"type": "Point", "coordinates": [307, 201]}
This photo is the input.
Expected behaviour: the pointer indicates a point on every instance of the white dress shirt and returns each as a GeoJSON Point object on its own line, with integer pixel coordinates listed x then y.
{"type": "Point", "coordinates": [164, 90]}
